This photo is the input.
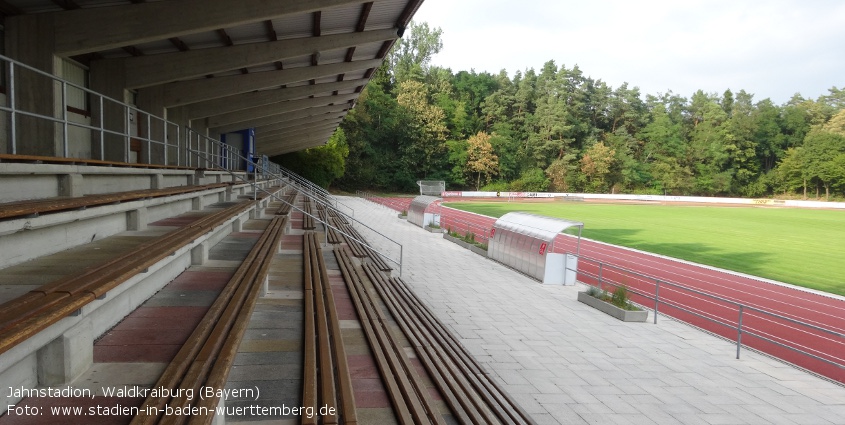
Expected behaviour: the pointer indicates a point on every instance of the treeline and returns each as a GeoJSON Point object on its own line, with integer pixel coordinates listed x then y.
{"type": "Point", "coordinates": [558, 130]}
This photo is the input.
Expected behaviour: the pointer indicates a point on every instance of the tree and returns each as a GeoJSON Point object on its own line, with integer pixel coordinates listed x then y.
{"type": "Point", "coordinates": [410, 56]}
{"type": "Point", "coordinates": [480, 158]}
{"type": "Point", "coordinates": [558, 127]}
{"type": "Point", "coordinates": [425, 149]}
{"type": "Point", "coordinates": [791, 173]}
{"type": "Point", "coordinates": [739, 142]}
{"type": "Point", "coordinates": [822, 149]}
{"type": "Point", "coordinates": [562, 172]}
{"type": "Point", "coordinates": [596, 165]}
{"type": "Point", "coordinates": [323, 164]}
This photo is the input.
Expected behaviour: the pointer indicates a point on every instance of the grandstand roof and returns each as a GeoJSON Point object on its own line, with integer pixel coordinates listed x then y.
{"type": "Point", "coordinates": [290, 69]}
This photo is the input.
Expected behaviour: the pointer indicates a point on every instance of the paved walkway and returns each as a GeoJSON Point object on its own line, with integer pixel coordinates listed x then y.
{"type": "Point", "coordinates": [568, 363]}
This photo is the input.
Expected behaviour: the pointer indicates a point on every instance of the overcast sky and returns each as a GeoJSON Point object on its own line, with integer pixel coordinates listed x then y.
{"type": "Point", "coordinates": [771, 49]}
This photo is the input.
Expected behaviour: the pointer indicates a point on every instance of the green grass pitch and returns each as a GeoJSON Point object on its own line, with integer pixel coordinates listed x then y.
{"type": "Point", "coordinates": [803, 247]}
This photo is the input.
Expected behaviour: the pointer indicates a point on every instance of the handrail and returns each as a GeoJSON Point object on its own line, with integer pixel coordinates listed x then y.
{"type": "Point", "coordinates": [600, 279]}
{"type": "Point", "coordinates": [325, 223]}
{"type": "Point", "coordinates": [314, 187]}
{"type": "Point", "coordinates": [208, 152]}
{"type": "Point", "coordinates": [129, 111]}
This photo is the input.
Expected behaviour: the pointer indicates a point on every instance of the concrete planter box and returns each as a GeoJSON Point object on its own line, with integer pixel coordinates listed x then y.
{"type": "Point", "coordinates": [454, 240]}
{"type": "Point", "coordinates": [433, 230]}
{"type": "Point", "coordinates": [608, 308]}
{"type": "Point", "coordinates": [403, 216]}
{"type": "Point", "coordinates": [464, 244]}
{"type": "Point", "coordinates": [478, 250]}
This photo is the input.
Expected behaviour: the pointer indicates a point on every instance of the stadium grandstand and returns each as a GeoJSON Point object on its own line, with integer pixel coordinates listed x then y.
{"type": "Point", "coordinates": [157, 267]}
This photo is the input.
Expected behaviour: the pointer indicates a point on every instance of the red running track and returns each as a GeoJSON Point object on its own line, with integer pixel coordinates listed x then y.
{"type": "Point", "coordinates": [712, 295]}
{"type": "Point", "coordinates": [398, 204]}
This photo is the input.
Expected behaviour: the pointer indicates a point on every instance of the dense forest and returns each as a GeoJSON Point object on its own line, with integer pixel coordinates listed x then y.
{"type": "Point", "coordinates": [558, 130]}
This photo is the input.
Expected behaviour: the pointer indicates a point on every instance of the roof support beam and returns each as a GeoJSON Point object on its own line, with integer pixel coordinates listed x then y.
{"type": "Point", "coordinates": [283, 138]}
{"type": "Point", "coordinates": [337, 110]}
{"type": "Point", "coordinates": [278, 108]}
{"type": "Point", "coordinates": [187, 92]}
{"type": "Point", "coordinates": [145, 71]}
{"type": "Point", "coordinates": [240, 102]}
{"type": "Point", "coordinates": [307, 123]}
{"type": "Point", "coordinates": [295, 142]}
{"type": "Point", "coordinates": [283, 123]}
{"type": "Point", "coordinates": [305, 142]}
{"type": "Point", "coordinates": [119, 26]}
{"type": "Point", "coordinates": [330, 125]}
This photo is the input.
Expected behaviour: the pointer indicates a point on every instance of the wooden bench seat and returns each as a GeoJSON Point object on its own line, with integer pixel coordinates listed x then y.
{"type": "Point", "coordinates": [84, 161]}
{"type": "Point", "coordinates": [207, 356]}
{"type": "Point", "coordinates": [471, 394]}
{"type": "Point", "coordinates": [41, 206]}
{"type": "Point", "coordinates": [23, 317]}
{"type": "Point", "coordinates": [326, 372]}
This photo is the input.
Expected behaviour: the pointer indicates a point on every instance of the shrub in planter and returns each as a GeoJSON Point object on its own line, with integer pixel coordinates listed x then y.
{"type": "Point", "coordinates": [617, 304]}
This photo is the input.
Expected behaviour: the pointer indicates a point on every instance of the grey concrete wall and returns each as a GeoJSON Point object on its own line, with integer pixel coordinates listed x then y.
{"type": "Point", "coordinates": [23, 246]}
{"type": "Point", "coordinates": [108, 183]}
{"type": "Point", "coordinates": [22, 187]}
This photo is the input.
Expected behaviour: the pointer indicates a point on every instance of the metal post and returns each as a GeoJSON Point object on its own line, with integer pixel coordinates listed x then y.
{"type": "Point", "coordinates": [178, 147]}
{"type": "Point", "coordinates": [12, 104]}
{"type": "Point", "coordinates": [656, 298]}
{"type": "Point", "coordinates": [739, 332]}
{"type": "Point", "coordinates": [164, 123]}
{"type": "Point", "coordinates": [102, 131]}
{"type": "Point", "coordinates": [127, 133]}
{"type": "Point", "coordinates": [64, 120]}
{"type": "Point", "coordinates": [149, 139]}
{"type": "Point", "coordinates": [600, 268]}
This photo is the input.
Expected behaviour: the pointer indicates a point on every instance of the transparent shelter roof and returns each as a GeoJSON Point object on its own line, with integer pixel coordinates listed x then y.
{"type": "Point", "coordinates": [536, 226]}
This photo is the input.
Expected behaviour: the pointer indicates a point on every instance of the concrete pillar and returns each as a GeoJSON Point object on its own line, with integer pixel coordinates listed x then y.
{"type": "Point", "coordinates": [199, 175]}
{"type": "Point", "coordinates": [21, 374]}
{"type": "Point", "coordinates": [199, 254]}
{"type": "Point", "coordinates": [108, 78]}
{"type": "Point", "coordinates": [237, 225]}
{"type": "Point", "coordinates": [30, 40]}
{"type": "Point", "coordinates": [157, 181]}
{"type": "Point", "coordinates": [137, 219]}
{"type": "Point", "coordinates": [68, 356]}
{"type": "Point", "coordinates": [265, 286]}
{"type": "Point", "coordinates": [70, 185]}
{"type": "Point", "coordinates": [197, 203]}
{"type": "Point", "coordinates": [256, 212]}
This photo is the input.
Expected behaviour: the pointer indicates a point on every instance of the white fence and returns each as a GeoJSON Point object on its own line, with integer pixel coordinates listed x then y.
{"type": "Point", "coordinates": [648, 198]}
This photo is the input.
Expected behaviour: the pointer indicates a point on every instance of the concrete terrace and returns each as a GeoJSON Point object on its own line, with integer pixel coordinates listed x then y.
{"type": "Point", "coordinates": [567, 363]}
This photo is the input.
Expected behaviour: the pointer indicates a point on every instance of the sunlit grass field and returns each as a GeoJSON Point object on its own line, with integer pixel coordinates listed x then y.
{"type": "Point", "coordinates": [799, 246]}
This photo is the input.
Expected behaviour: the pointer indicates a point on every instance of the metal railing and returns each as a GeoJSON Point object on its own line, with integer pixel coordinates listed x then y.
{"type": "Point", "coordinates": [218, 155]}
{"type": "Point", "coordinates": [116, 127]}
{"type": "Point", "coordinates": [236, 155]}
{"type": "Point", "coordinates": [112, 122]}
{"type": "Point", "coordinates": [725, 317]}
